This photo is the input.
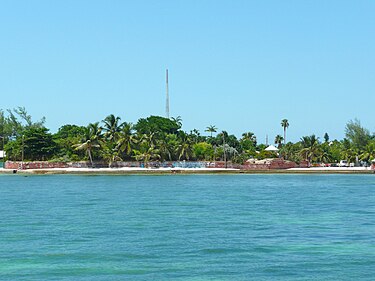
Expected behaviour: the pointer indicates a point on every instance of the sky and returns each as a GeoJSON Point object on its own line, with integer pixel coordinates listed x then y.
{"type": "Point", "coordinates": [239, 65]}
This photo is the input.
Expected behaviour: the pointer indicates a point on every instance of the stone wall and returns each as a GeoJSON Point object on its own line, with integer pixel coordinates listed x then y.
{"type": "Point", "coordinates": [265, 164]}
{"type": "Point", "coordinates": [15, 165]}
{"type": "Point", "coordinates": [269, 164]}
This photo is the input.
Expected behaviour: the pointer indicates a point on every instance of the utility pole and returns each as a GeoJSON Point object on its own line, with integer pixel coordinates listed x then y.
{"type": "Point", "coordinates": [167, 97]}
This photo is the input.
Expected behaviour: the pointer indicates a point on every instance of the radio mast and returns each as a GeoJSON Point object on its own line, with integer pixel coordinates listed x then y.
{"type": "Point", "coordinates": [167, 97]}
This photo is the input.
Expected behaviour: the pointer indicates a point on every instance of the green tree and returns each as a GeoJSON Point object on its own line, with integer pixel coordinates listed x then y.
{"type": "Point", "coordinates": [285, 125]}
{"type": "Point", "coordinates": [311, 148]}
{"type": "Point", "coordinates": [335, 150]}
{"type": "Point", "coordinates": [279, 140]}
{"type": "Point", "coordinates": [368, 154]}
{"type": "Point", "coordinates": [249, 136]}
{"type": "Point", "coordinates": [13, 124]}
{"type": "Point", "coordinates": [90, 140]}
{"type": "Point", "coordinates": [151, 153]}
{"type": "Point", "coordinates": [112, 127]}
{"type": "Point", "coordinates": [291, 151]}
{"type": "Point", "coordinates": [38, 144]}
{"type": "Point", "coordinates": [126, 139]}
{"type": "Point", "coordinates": [184, 148]}
{"type": "Point", "coordinates": [178, 121]}
{"type": "Point", "coordinates": [195, 136]}
{"type": "Point", "coordinates": [203, 151]}
{"type": "Point", "coordinates": [147, 149]}
{"type": "Point", "coordinates": [211, 129]}
{"type": "Point", "coordinates": [167, 147]}
{"type": "Point", "coordinates": [110, 153]}
{"type": "Point", "coordinates": [157, 125]}
{"type": "Point", "coordinates": [357, 134]}
{"type": "Point", "coordinates": [324, 155]}
{"type": "Point", "coordinates": [65, 138]}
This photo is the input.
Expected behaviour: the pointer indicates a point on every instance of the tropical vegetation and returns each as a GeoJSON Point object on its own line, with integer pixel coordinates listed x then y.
{"type": "Point", "coordinates": [156, 138]}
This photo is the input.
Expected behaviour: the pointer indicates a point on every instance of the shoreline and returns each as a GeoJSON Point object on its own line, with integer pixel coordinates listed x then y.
{"type": "Point", "coordinates": [172, 171]}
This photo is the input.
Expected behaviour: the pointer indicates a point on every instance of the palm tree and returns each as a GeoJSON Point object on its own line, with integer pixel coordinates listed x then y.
{"type": "Point", "coordinates": [112, 127]}
{"type": "Point", "coordinates": [177, 120]}
{"type": "Point", "coordinates": [211, 129]}
{"type": "Point", "coordinates": [126, 139]}
{"type": "Point", "coordinates": [195, 135]}
{"type": "Point", "coordinates": [90, 140]}
{"type": "Point", "coordinates": [324, 155]}
{"type": "Point", "coordinates": [250, 136]}
{"type": "Point", "coordinates": [185, 147]}
{"type": "Point", "coordinates": [146, 150]}
{"type": "Point", "coordinates": [285, 125]}
{"type": "Point", "coordinates": [151, 153]}
{"type": "Point", "coordinates": [368, 153]}
{"type": "Point", "coordinates": [278, 140]}
{"type": "Point", "coordinates": [290, 151]}
{"type": "Point", "coordinates": [165, 149]}
{"type": "Point", "coordinates": [311, 148]}
{"type": "Point", "coordinates": [111, 153]}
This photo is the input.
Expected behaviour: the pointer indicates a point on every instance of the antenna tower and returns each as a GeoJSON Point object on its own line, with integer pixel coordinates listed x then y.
{"type": "Point", "coordinates": [167, 97]}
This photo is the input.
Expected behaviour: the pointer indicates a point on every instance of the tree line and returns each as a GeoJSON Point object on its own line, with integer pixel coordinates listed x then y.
{"type": "Point", "coordinates": [156, 138]}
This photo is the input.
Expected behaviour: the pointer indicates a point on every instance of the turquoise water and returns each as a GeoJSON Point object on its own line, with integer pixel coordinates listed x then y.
{"type": "Point", "coordinates": [193, 227]}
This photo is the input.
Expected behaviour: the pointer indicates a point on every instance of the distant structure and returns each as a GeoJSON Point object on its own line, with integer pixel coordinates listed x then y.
{"type": "Point", "coordinates": [167, 97]}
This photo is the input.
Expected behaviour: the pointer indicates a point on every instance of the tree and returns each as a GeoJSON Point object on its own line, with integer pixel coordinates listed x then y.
{"type": "Point", "coordinates": [279, 140]}
{"type": "Point", "coordinates": [151, 153]}
{"type": "Point", "coordinates": [203, 151]}
{"type": "Point", "coordinates": [250, 136]}
{"type": "Point", "coordinates": [178, 121]}
{"type": "Point", "coordinates": [357, 134]}
{"type": "Point", "coordinates": [65, 138]}
{"type": "Point", "coordinates": [285, 125]}
{"type": "Point", "coordinates": [311, 148]}
{"type": "Point", "coordinates": [146, 150]}
{"type": "Point", "coordinates": [38, 144]}
{"type": "Point", "coordinates": [15, 122]}
{"type": "Point", "coordinates": [195, 136]}
{"type": "Point", "coordinates": [112, 127]}
{"type": "Point", "coordinates": [291, 151]}
{"type": "Point", "coordinates": [126, 139]}
{"type": "Point", "coordinates": [184, 148]}
{"type": "Point", "coordinates": [90, 140]}
{"type": "Point", "coordinates": [167, 147]}
{"type": "Point", "coordinates": [325, 154]}
{"type": "Point", "coordinates": [368, 153]}
{"type": "Point", "coordinates": [110, 153]}
{"type": "Point", "coordinates": [211, 129]}
{"type": "Point", "coordinates": [157, 125]}
{"type": "Point", "coordinates": [326, 137]}
{"type": "Point", "coordinates": [22, 113]}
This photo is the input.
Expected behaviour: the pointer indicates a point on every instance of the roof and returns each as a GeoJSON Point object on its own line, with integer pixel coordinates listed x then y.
{"type": "Point", "coordinates": [271, 148]}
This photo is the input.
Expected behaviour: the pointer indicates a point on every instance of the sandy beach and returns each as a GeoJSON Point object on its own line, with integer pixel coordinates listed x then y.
{"type": "Point", "coordinates": [133, 170]}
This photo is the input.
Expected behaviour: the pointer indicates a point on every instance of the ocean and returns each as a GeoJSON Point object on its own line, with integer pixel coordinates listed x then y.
{"type": "Point", "coordinates": [187, 227]}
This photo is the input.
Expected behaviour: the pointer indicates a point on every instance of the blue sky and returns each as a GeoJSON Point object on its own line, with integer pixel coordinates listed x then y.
{"type": "Point", "coordinates": [239, 65]}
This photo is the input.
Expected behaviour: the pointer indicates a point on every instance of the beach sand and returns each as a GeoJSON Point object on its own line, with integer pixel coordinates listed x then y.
{"type": "Point", "coordinates": [133, 170]}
